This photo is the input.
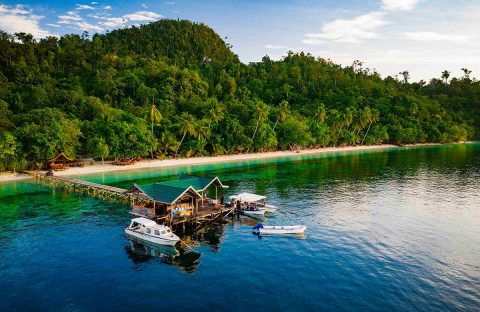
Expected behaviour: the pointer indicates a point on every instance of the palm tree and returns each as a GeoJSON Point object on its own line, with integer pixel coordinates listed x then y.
{"type": "Point", "coordinates": [167, 143]}
{"type": "Point", "coordinates": [262, 112]}
{"type": "Point", "coordinates": [346, 118]}
{"type": "Point", "coordinates": [282, 113]}
{"type": "Point", "coordinates": [466, 73]}
{"type": "Point", "coordinates": [445, 75]}
{"type": "Point", "coordinates": [186, 124]}
{"type": "Point", "coordinates": [216, 113]}
{"type": "Point", "coordinates": [155, 117]}
{"type": "Point", "coordinates": [202, 134]}
{"type": "Point", "coordinates": [406, 76]}
{"type": "Point", "coordinates": [373, 118]}
{"type": "Point", "coordinates": [202, 131]}
{"type": "Point", "coordinates": [320, 114]}
{"type": "Point", "coordinates": [363, 120]}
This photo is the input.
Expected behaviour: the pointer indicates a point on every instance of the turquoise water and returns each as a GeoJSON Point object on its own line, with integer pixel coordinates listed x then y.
{"type": "Point", "coordinates": [392, 230]}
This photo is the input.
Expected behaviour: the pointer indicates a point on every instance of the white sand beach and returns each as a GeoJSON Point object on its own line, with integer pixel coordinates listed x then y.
{"type": "Point", "coordinates": [159, 163]}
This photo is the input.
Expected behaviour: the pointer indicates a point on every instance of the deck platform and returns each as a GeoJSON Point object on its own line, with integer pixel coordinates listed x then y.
{"type": "Point", "coordinates": [204, 215]}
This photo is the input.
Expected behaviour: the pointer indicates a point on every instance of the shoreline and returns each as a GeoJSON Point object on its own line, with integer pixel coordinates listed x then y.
{"type": "Point", "coordinates": [169, 163]}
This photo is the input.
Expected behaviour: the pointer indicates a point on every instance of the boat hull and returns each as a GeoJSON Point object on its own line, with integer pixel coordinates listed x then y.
{"type": "Point", "coordinates": [166, 241]}
{"type": "Point", "coordinates": [282, 230]}
{"type": "Point", "coordinates": [254, 213]}
{"type": "Point", "coordinates": [269, 209]}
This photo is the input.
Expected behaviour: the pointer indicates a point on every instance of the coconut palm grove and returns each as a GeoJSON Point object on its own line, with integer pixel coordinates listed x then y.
{"type": "Point", "coordinates": [174, 88]}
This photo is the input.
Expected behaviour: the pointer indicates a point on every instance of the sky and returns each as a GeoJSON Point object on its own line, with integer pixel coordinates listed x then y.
{"type": "Point", "coordinates": [424, 37]}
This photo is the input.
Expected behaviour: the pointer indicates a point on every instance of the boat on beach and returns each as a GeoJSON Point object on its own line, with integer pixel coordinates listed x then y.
{"type": "Point", "coordinates": [149, 231]}
{"type": "Point", "coordinates": [279, 229]}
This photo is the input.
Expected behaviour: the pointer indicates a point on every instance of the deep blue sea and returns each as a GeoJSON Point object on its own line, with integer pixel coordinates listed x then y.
{"type": "Point", "coordinates": [388, 230]}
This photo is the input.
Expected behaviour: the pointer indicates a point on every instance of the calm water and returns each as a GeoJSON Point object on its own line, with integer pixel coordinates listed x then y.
{"type": "Point", "coordinates": [394, 230]}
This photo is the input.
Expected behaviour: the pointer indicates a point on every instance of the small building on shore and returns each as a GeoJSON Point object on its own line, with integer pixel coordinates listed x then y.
{"type": "Point", "coordinates": [59, 162]}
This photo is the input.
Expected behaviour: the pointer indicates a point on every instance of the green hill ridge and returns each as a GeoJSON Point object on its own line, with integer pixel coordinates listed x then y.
{"type": "Point", "coordinates": [175, 88]}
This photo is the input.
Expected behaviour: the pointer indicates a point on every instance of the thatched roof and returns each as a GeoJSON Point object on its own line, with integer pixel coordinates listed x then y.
{"type": "Point", "coordinates": [60, 158]}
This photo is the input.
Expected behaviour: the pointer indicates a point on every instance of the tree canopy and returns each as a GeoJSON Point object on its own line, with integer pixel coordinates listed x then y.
{"type": "Point", "coordinates": [175, 88]}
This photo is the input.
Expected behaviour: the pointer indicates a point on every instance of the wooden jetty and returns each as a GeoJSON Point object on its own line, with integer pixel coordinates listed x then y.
{"type": "Point", "coordinates": [180, 204]}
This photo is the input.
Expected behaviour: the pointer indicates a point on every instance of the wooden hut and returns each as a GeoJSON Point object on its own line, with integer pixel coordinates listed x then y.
{"type": "Point", "coordinates": [206, 186]}
{"type": "Point", "coordinates": [59, 162]}
{"type": "Point", "coordinates": [178, 200]}
{"type": "Point", "coordinates": [166, 202]}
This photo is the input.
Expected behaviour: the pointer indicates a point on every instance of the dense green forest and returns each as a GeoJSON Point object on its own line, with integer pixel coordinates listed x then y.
{"type": "Point", "coordinates": [174, 88]}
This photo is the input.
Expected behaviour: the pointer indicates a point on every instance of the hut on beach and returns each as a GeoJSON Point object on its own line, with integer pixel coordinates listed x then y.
{"type": "Point", "coordinates": [59, 162]}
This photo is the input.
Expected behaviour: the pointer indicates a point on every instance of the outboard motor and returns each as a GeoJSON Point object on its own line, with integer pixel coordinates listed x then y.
{"type": "Point", "coordinates": [257, 227]}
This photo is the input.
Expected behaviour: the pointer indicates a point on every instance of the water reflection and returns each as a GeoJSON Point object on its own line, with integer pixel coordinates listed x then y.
{"type": "Point", "coordinates": [141, 252]}
{"type": "Point", "coordinates": [184, 255]}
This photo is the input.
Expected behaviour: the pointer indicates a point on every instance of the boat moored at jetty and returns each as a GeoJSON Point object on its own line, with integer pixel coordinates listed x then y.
{"type": "Point", "coordinates": [149, 231]}
{"type": "Point", "coordinates": [279, 229]}
{"type": "Point", "coordinates": [252, 211]}
{"type": "Point", "coordinates": [253, 202]}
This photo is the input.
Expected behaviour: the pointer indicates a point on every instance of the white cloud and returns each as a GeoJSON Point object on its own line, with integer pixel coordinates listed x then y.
{"type": "Point", "coordinates": [85, 26]}
{"type": "Point", "coordinates": [142, 16]}
{"type": "Point", "coordinates": [275, 47]}
{"type": "Point", "coordinates": [430, 36]}
{"type": "Point", "coordinates": [113, 22]}
{"type": "Point", "coordinates": [170, 3]}
{"type": "Point", "coordinates": [76, 21]}
{"type": "Point", "coordinates": [313, 41]}
{"type": "Point", "coordinates": [144, 6]}
{"type": "Point", "coordinates": [20, 19]}
{"type": "Point", "coordinates": [399, 5]}
{"type": "Point", "coordinates": [353, 30]}
{"type": "Point", "coordinates": [69, 18]}
{"type": "Point", "coordinates": [93, 3]}
{"type": "Point", "coordinates": [53, 25]}
{"type": "Point", "coordinates": [107, 7]}
{"type": "Point", "coordinates": [17, 10]}
{"type": "Point", "coordinates": [66, 19]}
{"type": "Point", "coordinates": [84, 7]}
{"type": "Point", "coordinates": [360, 28]}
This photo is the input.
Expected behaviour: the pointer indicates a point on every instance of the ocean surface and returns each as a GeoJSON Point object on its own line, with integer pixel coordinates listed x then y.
{"type": "Point", "coordinates": [389, 230]}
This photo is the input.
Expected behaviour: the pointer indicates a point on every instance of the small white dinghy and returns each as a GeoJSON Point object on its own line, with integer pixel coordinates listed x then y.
{"type": "Point", "coordinates": [279, 229]}
{"type": "Point", "coordinates": [149, 231]}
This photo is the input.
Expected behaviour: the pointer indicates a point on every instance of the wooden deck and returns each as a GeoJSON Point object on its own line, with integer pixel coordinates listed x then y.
{"type": "Point", "coordinates": [204, 215]}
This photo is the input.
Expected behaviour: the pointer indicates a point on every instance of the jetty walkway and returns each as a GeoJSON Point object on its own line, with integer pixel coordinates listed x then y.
{"type": "Point", "coordinates": [156, 201]}
{"type": "Point", "coordinates": [91, 188]}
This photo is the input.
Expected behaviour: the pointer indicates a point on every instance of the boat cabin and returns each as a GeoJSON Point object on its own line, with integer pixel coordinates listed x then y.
{"type": "Point", "coordinates": [249, 199]}
{"type": "Point", "coordinates": [149, 226]}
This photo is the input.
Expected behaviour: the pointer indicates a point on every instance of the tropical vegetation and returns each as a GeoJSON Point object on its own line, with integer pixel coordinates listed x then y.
{"type": "Point", "coordinates": [175, 89]}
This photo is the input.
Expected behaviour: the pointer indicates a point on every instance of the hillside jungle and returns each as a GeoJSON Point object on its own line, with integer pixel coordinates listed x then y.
{"type": "Point", "coordinates": [175, 89]}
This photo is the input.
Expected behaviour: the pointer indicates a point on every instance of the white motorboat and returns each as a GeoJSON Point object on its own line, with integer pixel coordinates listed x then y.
{"type": "Point", "coordinates": [254, 201]}
{"type": "Point", "coordinates": [269, 208]}
{"type": "Point", "coordinates": [279, 229]}
{"type": "Point", "coordinates": [253, 212]}
{"type": "Point", "coordinates": [149, 231]}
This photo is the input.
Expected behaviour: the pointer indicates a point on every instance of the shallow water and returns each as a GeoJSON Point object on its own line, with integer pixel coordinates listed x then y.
{"type": "Point", "coordinates": [390, 230]}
